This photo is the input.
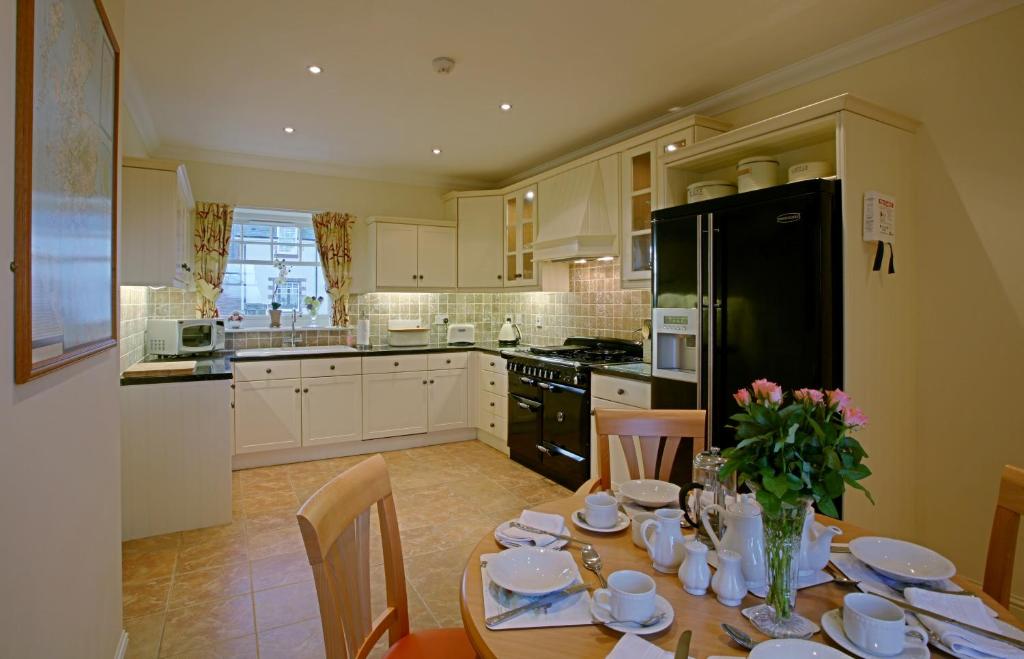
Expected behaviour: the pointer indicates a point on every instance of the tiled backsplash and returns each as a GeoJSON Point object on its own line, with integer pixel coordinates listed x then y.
{"type": "Point", "coordinates": [595, 306]}
{"type": "Point", "coordinates": [134, 310]}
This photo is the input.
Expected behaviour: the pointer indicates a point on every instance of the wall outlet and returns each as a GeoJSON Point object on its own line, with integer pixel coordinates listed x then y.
{"type": "Point", "coordinates": [441, 319]}
{"type": "Point", "coordinates": [539, 321]}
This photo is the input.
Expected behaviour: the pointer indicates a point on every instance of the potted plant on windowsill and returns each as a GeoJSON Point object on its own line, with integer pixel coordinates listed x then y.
{"type": "Point", "coordinates": [275, 305]}
{"type": "Point", "coordinates": [792, 456]}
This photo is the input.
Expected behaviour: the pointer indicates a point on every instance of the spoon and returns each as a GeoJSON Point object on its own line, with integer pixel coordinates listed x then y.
{"type": "Point", "coordinates": [592, 561]}
{"type": "Point", "coordinates": [653, 620]}
{"type": "Point", "coordinates": [738, 636]}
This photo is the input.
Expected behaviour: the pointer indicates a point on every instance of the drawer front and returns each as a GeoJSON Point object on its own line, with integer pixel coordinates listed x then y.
{"type": "Point", "coordinates": [495, 425]}
{"type": "Point", "coordinates": [630, 392]}
{"type": "Point", "coordinates": [394, 364]}
{"type": "Point", "coordinates": [278, 369]}
{"type": "Point", "coordinates": [321, 368]}
{"type": "Point", "coordinates": [493, 404]}
{"type": "Point", "coordinates": [493, 363]}
{"type": "Point", "coordinates": [437, 362]}
{"type": "Point", "coordinates": [496, 383]}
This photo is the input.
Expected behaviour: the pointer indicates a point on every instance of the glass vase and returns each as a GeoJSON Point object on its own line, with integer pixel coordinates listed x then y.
{"type": "Point", "coordinates": [777, 617]}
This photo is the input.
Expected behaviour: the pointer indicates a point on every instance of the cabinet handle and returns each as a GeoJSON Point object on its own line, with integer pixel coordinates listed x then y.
{"type": "Point", "coordinates": [492, 425]}
{"type": "Point", "coordinates": [492, 383]}
{"type": "Point", "coordinates": [268, 370]}
{"type": "Point", "coordinates": [492, 403]}
{"type": "Point", "coordinates": [424, 382]}
{"type": "Point", "coordinates": [593, 412]}
{"type": "Point", "coordinates": [396, 363]}
{"type": "Point", "coordinates": [332, 367]}
{"type": "Point", "coordinates": [431, 382]}
{"type": "Point", "coordinates": [414, 276]}
{"type": "Point", "coordinates": [296, 390]}
{"type": "Point", "coordinates": [499, 276]}
{"type": "Point", "coordinates": [621, 391]}
{"type": "Point", "coordinates": [232, 404]}
{"type": "Point", "coordinates": [421, 276]}
{"type": "Point", "coordinates": [492, 363]}
{"type": "Point", "coordinates": [447, 361]}
{"type": "Point", "coordinates": [305, 390]}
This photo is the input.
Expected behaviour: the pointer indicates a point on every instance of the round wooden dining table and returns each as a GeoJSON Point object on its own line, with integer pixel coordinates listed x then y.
{"type": "Point", "coordinates": [702, 615]}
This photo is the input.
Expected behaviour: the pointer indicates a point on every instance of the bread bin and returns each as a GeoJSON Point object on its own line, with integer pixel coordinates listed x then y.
{"type": "Point", "coordinates": [704, 190]}
{"type": "Point", "coordinates": [757, 172]}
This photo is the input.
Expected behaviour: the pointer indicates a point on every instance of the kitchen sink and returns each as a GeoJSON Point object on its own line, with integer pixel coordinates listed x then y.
{"type": "Point", "coordinates": [298, 350]}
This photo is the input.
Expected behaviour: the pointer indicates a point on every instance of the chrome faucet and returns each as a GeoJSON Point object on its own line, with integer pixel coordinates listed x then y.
{"type": "Point", "coordinates": [291, 341]}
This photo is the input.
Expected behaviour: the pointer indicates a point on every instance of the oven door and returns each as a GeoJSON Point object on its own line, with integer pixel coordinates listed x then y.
{"type": "Point", "coordinates": [195, 336]}
{"type": "Point", "coordinates": [525, 418]}
{"type": "Point", "coordinates": [566, 434]}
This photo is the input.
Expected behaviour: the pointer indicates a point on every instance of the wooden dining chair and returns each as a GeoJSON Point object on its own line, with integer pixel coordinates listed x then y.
{"type": "Point", "coordinates": [655, 431]}
{"type": "Point", "coordinates": [335, 525]}
{"type": "Point", "coordinates": [1002, 543]}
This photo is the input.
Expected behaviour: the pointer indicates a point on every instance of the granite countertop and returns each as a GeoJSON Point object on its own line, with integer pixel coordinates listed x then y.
{"type": "Point", "coordinates": [213, 367]}
{"type": "Point", "coordinates": [634, 371]}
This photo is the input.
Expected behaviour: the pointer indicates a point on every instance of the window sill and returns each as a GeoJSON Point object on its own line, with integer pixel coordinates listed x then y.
{"type": "Point", "coordinates": [298, 328]}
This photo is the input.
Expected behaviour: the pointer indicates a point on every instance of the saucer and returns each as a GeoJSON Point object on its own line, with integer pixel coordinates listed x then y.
{"type": "Point", "coordinates": [832, 623]}
{"type": "Point", "coordinates": [621, 524]}
{"type": "Point", "coordinates": [661, 605]}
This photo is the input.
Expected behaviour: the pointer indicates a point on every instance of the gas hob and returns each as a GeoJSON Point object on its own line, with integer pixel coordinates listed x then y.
{"type": "Point", "coordinates": [570, 363]}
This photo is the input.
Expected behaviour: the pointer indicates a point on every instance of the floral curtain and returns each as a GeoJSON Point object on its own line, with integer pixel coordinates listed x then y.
{"type": "Point", "coordinates": [334, 242]}
{"type": "Point", "coordinates": [210, 240]}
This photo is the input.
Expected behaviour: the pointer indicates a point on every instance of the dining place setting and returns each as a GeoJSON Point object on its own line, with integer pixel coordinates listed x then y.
{"type": "Point", "coordinates": [765, 570]}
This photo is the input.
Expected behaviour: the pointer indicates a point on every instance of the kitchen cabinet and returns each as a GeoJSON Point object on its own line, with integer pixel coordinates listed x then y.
{"type": "Point", "coordinates": [395, 404]}
{"type": "Point", "coordinates": [436, 256]}
{"type": "Point", "coordinates": [447, 399]}
{"type": "Point", "coordinates": [332, 409]}
{"type": "Point", "coordinates": [155, 237]}
{"type": "Point", "coordinates": [480, 245]}
{"type": "Point", "coordinates": [520, 229]}
{"type": "Point", "coordinates": [397, 250]}
{"type": "Point", "coordinates": [268, 415]}
{"type": "Point", "coordinates": [639, 194]}
{"type": "Point", "coordinates": [492, 402]}
{"type": "Point", "coordinates": [579, 217]}
{"type": "Point", "coordinates": [411, 254]}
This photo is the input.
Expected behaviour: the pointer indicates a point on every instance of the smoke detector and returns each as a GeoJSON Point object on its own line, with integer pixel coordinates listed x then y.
{"type": "Point", "coordinates": [443, 65]}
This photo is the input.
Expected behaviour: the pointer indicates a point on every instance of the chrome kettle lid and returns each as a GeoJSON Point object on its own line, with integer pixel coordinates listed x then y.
{"type": "Point", "coordinates": [709, 460]}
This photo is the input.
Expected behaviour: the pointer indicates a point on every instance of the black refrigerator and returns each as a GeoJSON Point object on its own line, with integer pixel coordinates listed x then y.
{"type": "Point", "coordinates": [744, 287]}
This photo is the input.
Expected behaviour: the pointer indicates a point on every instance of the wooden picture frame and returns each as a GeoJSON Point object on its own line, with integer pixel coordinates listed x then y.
{"type": "Point", "coordinates": [65, 228]}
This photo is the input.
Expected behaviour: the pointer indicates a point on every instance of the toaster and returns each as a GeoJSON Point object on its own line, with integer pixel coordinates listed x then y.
{"type": "Point", "coordinates": [461, 334]}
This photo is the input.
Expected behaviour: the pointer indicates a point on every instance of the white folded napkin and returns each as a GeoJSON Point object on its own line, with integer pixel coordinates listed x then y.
{"type": "Point", "coordinates": [543, 521]}
{"type": "Point", "coordinates": [970, 610]}
{"type": "Point", "coordinates": [631, 646]}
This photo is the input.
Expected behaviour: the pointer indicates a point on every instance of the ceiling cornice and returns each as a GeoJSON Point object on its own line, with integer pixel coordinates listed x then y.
{"type": "Point", "coordinates": [940, 19]}
{"type": "Point", "coordinates": [135, 102]}
{"type": "Point", "coordinates": [323, 168]}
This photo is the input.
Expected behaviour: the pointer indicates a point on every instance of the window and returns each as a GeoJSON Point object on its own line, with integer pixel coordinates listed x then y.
{"type": "Point", "coordinates": [258, 239]}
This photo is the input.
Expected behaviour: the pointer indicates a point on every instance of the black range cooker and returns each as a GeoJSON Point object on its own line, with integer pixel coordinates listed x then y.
{"type": "Point", "coordinates": [549, 404]}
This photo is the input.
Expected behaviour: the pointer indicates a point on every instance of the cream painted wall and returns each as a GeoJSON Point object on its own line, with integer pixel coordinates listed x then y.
{"type": "Point", "coordinates": [131, 139]}
{"type": "Point", "coordinates": [967, 89]}
{"type": "Point", "coordinates": [60, 472]}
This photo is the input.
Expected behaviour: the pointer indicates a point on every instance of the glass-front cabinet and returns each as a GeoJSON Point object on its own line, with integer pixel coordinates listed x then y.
{"type": "Point", "coordinates": [639, 188]}
{"type": "Point", "coordinates": [520, 229]}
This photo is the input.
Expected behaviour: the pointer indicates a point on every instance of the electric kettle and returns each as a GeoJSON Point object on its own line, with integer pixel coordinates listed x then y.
{"type": "Point", "coordinates": [509, 334]}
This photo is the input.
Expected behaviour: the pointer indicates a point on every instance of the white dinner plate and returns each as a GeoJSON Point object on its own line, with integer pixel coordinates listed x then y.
{"type": "Point", "coordinates": [832, 623]}
{"type": "Point", "coordinates": [622, 522]}
{"type": "Point", "coordinates": [532, 570]}
{"type": "Point", "coordinates": [661, 605]}
{"type": "Point", "coordinates": [793, 648]}
{"type": "Point", "coordinates": [650, 493]}
{"type": "Point", "coordinates": [902, 560]}
{"type": "Point", "coordinates": [512, 543]}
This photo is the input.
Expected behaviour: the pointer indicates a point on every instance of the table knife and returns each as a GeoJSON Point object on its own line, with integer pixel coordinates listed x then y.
{"type": "Point", "coordinates": [546, 600]}
{"type": "Point", "coordinates": [683, 647]}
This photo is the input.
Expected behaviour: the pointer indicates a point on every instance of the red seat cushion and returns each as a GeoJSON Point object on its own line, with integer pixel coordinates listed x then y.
{"type": "Point", "coordinates": [440, 643]}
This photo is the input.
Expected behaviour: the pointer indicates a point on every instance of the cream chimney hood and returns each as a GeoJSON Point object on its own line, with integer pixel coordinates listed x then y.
{"type": "Point", "coordinates": [578, 212]}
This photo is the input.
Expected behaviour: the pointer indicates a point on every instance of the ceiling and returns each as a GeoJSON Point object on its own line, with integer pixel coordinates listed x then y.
{"type": "Point", "coordinates": [226, 76]}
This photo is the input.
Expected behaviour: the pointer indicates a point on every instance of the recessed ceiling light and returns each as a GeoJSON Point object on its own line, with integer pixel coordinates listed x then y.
{"type": "Point", "coordinates": [289, 130]}
{"type": "Point", "coordinates": [580, 261]}
{"type": "Point", "coordinates": [675, 108]}
{"type": "Point", "coordinates": [605, 258]}
{"type": "Point", "coordinates": [436, 151]}
{"type": "Point", "coordinates": [314, 69]}
{"type": "Point", "coordinates": [529, 194]}
{"type": "Point", "coordinates": [671, 147]}
{"type": "Point", "coordinates": [505, 107]}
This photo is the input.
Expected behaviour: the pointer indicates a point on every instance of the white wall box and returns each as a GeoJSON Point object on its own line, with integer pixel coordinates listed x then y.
{"type": "Point", "coordinates": [157, 210]}
{"type": "Point", "coordinates": [175, 457]}
{"type": "Point", "coordinates": [408, 254]}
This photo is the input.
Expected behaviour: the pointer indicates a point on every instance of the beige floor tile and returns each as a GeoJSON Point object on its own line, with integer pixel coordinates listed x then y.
{"type": "Point", "coordinates": [270, 501]}
{"type": "Point", "coordinates": [152, 543]}
{"type": "Point", "coordinates": [280, 570]}
{"type": "Point", "coordinates": [196, 627]}
{"type": "Point", "coordinates": [147, 566]}
{"type": "Point", "coordinates": [232, 531]}
{"type": "Point", "coordinates": [309, 480]}
{"type": "Point", "coordinates": [263, 522]}
{"type": "Point", "coordinates": [282, 606]}
{"type": "Point", "coordinates": [213, 583]}
{"type": "Point", "coordinates": [223, 551]}
{"type": "Point", "coordinates": [141, 599]}
{"type": "Point", "coordinates": [144, 636]}
{"type": "Point", "coordinates": [284, 540]}
{"type": "Point", "coordinates": [303, 640]}
{"type": "Point", "coordinates": [235, 648]}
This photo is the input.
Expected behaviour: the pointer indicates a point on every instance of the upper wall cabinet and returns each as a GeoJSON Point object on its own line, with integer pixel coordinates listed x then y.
{"type": "Point", "coordinates": [156, 223]}
{"type": "Point", "coordinates": [520, 229]}
{"type": "Point", "coordinates": [410, 254]}
{"type": "Point", "coordinates": [639, 190]}
{"type": "Point", "coordinates": [481, 246]}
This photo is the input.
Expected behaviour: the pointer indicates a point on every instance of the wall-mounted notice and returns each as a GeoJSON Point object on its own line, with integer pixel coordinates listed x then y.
{"type": "Point", "coordinates": [879, 218]}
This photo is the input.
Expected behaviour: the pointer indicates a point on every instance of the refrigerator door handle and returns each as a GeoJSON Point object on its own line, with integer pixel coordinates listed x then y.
{"type": "Point", "coordinates": [711, 329]}
{"type": "Point", "coordinates": [700, 307]}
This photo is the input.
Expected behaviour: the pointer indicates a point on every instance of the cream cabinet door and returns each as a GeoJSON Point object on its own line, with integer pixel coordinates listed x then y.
{"type": "Point", "coordinates": [480, 242]}
{"type": "Point", "coordinates": [149, 226]}
{"type": "Point", "coordinates": [620, 472]}
{"type": "Point", "coordinates": [332, 410]}
{"type": "Point", "coordinates": [394, 404]}
{"type": "Point", "coordinates": [436, 255]}
{"type": "Point", "coordinates": [449, 399]}
{"type": "Point", "coordinates": [520, 220]}
{"type": "Point", "coordinates": [397, 247]}
{"type": "Point", "coordinates": [639, 194]}
{"type": "Point", "coordinates": [268, 415]}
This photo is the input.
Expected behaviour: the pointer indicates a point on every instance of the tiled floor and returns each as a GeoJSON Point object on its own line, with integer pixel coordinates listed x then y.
{"type": "Point", "coordinates": [245, 589]}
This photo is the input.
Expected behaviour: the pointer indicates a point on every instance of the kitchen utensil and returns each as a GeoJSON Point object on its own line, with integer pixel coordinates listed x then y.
{"type": "Point", "coordinates": [650, 493]}
{"type": "Point", "coordinates": [602, 510]}
{"type": "Point", "coordinates": [683, 646]}
{"type": "Point", "coordinates": [744, 534]}
{"type": "Point", "coordinates": [629, 597]}
{"type": "Point", "coordinates": [901, 560]}
{"type": "Point", "coordinates": [832, 624]}
{"type": "Point", "coordinates": [709, 487]}
{"type": "Point", "coordinates": [728, 583]}
{"type": "Point", "coordinates": [794, 648]}
{"type": "Point", "coordinates": [592, 561]}
{"type": "Point", "coordinates": [704, 190]}
{"type": "Point", "coordinates": [566, 538]}
{"type": "Point", "coordinates": [579, 518]}
{"type": "Point", "coordinates": [877, 626]}
{"type": "Point", "coordinates": [664, 540]}
{"type": "Point", "coordinates": [659, 621]}
{"type": "Point", "coordinates": [757, 172]}
{"type": "Point", "coordinates": [509, 334]}
{"type": "Point", "coordinates": [532, 570]}
{"type": "Point", "coordinates": [738, 636]}
{"type": "Point", "coordinates": [541, 602]}
{"type": "Point", "coordinates": [694, 572]}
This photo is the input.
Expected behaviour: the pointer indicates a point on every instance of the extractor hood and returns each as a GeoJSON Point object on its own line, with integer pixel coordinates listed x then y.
{"type": "Point", "coordinates": [578, 213]}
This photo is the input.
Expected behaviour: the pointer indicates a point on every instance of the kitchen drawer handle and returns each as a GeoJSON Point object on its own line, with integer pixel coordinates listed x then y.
{"type": "Point", "coordinates": [447, 361]}
{"type": "Point", "coordinates": [527, 381]}
{"type": "Point", "coordinates": [593, 412]}
{"type": "Point", "coordinates": [268, 370]}
{"type": "Point", "coordinates": [544, 385]}
{"type": "Point", "coordinates": [621, 391]}
{"type": "Point", "coordinates": [523, 405]}
{"type": "Point", "coordinates": [543, 449]}
{"type": "Point", "coordinates": [492, 383]}
{"type": "Point", "coordinates": [492, 425]}
{"type": "Point", "coordinates": [396, 363]}
{"type": "Point", "coordinates": [492, 403]}
{"type": "Point", "coordinates": [421, 276]}
{"type": "Point", "coordinates": [332, 367]}
{"type": "Point", "coordinates": [492, 363]}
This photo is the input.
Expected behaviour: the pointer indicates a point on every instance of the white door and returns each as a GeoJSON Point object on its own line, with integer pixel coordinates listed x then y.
{"type": "Point", "coordinates": [394, 404]}
{"type": "Point", "coordinates": [268, 415]}
{"type": "Point", "coordinates": [332, 410]}
{"type": "Point", "coordinates": [436, 257]}
{"type": "Point", "coordinates": [396, 255]}
{"type": "Point", "coordinates": [449, 399]}
{"type": "Point", "coordinates": [480, 242]}
{"type": "Point", "coordinates": [620, 472]}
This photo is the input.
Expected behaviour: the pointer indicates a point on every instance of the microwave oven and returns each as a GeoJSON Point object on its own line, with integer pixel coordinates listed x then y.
{"type": "Point", "coordinates": [170, 337]}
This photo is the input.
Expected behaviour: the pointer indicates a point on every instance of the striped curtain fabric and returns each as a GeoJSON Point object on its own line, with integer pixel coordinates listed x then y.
{"type": "Point", "coordinates": [334, 242]}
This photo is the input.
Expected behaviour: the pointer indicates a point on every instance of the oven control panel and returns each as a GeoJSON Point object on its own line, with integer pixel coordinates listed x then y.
{"type": "Point", "coordinates": [547, 373]}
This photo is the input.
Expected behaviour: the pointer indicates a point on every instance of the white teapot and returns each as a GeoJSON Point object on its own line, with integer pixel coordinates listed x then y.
{"type": "Point", "coordinates": [815, 544]}
{"type": "Point", "coordinates": [744, 534]}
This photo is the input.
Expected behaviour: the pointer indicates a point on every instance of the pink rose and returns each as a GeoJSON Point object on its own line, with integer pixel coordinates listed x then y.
{"type": "Point", "coordinates": [839, 399]}
{"type": "Point", "coordinates": [775, 394]}
{"type": "Point", "coordinates": [742, 397]}
{"type": "Point", "coordinates": [809, 395]}
{"type": "Point", "coordinates": [763, 388]}
{"type": "Point", "coordinates": [854, 417]}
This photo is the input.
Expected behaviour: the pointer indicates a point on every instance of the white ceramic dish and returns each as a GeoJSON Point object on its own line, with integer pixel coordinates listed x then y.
{"type": "Point", "coordinates": [832, 623]}
{"type": "Point", "coordinates": [509, 544]}
{"type": "Point", "coordinates": [661, 605]}
{"type": "Point", "coordinates": [793, 648]}
{"type": "Point", "coordinates": [650, 493]}
{"type": "Point", "coordinates": [532, 570]}
{"type": "Point", "coordinates": [621, 524]}
{"type": "Point", "coordinates": [902, 560]}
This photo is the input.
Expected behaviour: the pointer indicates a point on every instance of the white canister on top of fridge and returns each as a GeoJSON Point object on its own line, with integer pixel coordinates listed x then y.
{"type": "Point", "coordinates": [757, 172]}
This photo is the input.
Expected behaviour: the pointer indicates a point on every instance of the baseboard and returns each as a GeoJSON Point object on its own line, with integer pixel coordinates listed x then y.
{"type": "Point", "coordinates": [122, 646]}
{"type": "Point", "coordinates": [496, 443]}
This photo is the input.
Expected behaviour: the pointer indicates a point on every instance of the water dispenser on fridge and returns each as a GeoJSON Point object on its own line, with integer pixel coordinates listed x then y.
{"type": "Point", "coordinates": [675, 354]}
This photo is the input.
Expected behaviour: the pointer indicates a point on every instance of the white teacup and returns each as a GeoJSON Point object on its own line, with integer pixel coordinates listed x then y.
{"type": "Point", "coordinates": [629, 596]}
{"type": "Point", "coordinates": [878, 627]}
{"type": "Point", "coordinates": [602, 510]}
{"type": "Point", "coordinates": [638, 520]}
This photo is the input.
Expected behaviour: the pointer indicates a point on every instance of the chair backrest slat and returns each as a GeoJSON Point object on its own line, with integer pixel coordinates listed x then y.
{"type": "Point", "coordinates": [1002, 544]}
{"type": "Point", "coordinates": [653, 431]}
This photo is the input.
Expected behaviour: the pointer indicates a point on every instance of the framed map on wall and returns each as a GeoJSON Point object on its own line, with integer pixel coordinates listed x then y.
{"type": "Point", "coordinates": [65, 259]}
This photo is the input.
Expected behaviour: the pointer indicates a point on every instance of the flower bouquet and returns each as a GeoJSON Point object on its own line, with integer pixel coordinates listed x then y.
{"type": "Point", "coordinates": [313, 306]}
{"type": "Point", "coordinates": [791, 455]}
